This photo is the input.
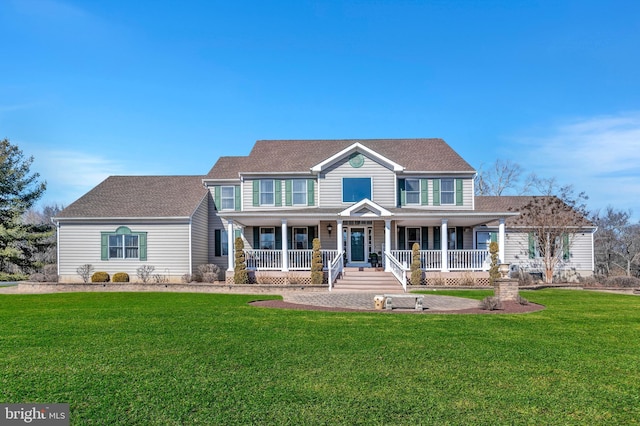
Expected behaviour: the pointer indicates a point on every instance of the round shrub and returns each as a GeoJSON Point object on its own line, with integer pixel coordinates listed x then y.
{"type": "Point", "coordinates": [100, 277]}
{"type": "Point", "coordinates": [120, 277]}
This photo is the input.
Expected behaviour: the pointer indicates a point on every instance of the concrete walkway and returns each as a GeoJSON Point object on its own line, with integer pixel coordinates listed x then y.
{"type": "Point", "coordinates": [365, 301]}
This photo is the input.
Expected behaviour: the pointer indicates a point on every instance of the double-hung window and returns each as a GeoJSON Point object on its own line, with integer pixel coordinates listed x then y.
{"type": "Point", "coordinates": [267, 190]}
{"type": "Point", "coordinates": [447, 191]}
{"type": "Point", "coordinates": [299, 191]}
{"type": "Point", "coordinates": [412, 191]}
{"type": "Point", "coordinates": [267, 238]}
{"type": "Point", "coordinates": [227, 197]}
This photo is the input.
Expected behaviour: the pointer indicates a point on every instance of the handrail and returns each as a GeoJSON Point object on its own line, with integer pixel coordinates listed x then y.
{"type": "Point", "coordinates": [335, 268]}
{"type": "Point", "coordinates": [398, 270]}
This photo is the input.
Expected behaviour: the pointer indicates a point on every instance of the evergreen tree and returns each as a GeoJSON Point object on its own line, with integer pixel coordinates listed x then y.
{"type": "Point", "coordinates": [416, 270]}
{"type": "Point", "coordinates": [240, 274]}
{"type": "Point", "coordinates": [317, 276]}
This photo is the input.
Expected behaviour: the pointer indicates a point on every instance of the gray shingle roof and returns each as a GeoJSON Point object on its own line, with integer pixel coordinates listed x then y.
{"type": "Point", "coordinates": [139, 196]}
{"type": "Point", "coordinates": [288, 156]}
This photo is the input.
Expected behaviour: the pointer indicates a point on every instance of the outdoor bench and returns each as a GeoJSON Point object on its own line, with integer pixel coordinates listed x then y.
{"type": "Point", "coordinates": [417, 298]}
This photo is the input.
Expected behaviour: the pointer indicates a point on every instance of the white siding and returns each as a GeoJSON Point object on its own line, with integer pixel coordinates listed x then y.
{"type": "Point", "coordinates": [199, 235]}
{"type": "Point", "coordinates": [167, 249]}
{"type": "Point", "coordinates": [383, 183]}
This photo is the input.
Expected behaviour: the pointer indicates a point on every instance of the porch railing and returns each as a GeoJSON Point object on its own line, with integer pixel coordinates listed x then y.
{"type": "Point", "coordinates": [298, 259]}
{"type": "Point", "coordinates": [398, 270]}
{"type": "Point", "coordinates": [457, 260]}
{"type": "Point", "coordinates": [335, 268]}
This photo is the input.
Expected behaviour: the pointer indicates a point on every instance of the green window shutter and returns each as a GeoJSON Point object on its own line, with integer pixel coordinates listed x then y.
{"type": "Point", "coordinates": [403, 192]}
{"type": "Point", "coordinates": [277, 192]}
{"type": "Point", "coordinates": [218, 242]}
{"type": "Point", "coordinates": [256, 237]}
{"type": "Point", "coordinates": [237, 233]}
{"type": "Point", "coordinates": [142, 241]}
{"type": "Point", "coordinates": [311, 193]}
{"type": "Point", "coordinates": [401, 238]}
{"type": "Point", "coordinates": [532, 246]}
{"type": "Point", "coordinates": [278, 238]}
{"type": "Point", "coordinates": [312, 233]}
{"type": "Point", "coordinates": [436, 238]}
{"type": "Point", "coordinates": [104, 246]}
{"type": "Point", "coordinates": [238, 195]}
{"type": "Point", "coordinates": [436, 192]}
{"type": "Point", "coordinates": [425, 238]}
{"type": "Point", "coordinates": [494, 237]}
{"type": "Point", "coordinates": [424, 192]}
{"type": "Point", "coordinates": [289, 238]}
{"type": "Point", "coordinates": [217, 198]}
{"type": "Point", "coordinates": [565, 247]}
{"type": "Point", "coordinates": [459, 200]}
{"type": "Point", "coordinates": [256, 193]}
{"type": "Point", "coordinates": [459, 237]}
{"type": "Point", "coordinates": [288, 192]}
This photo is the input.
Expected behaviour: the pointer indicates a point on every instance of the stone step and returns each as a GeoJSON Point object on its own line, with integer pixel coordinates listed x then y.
{"type": "Point", "coordinates": [367, 280]}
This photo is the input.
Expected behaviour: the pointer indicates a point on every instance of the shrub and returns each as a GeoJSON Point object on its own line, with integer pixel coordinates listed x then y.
{"type": "Point", "coordinates": [240, 274]}
{"type": "Point", "coordinates": [524, 278]}
{"type": "Point", "coordinates": [623, 281]}
{"type": "Point", "coordinates": [85, 272]}
{"type": "Point", "coordinates": [490, 303]}
{"type": "Point", "coordinates": [494, 274]}
{"type": "Point", "coordinates": [416, 270]}
{"type": "Point", "coordinates": [100, 277]}
{"type": "Point", "coordinates": [263, 278]}
{"type": "Point", "coordinates": [51, 273]}
{"type": "Point", "coordinates": [4, 276]}
{"type": "Point", "coordinates": [209, 273]}
{"type": "Point", "coordinates": [522, 301]}
{"type": "Point", "coordinates": [317, 276]}
{"type": "Point", "coordinates": [37, 277]}
{"type": "Point", "coordinates": [187, 278]}
{"type": "Point", "coordinates": [120, 277]}
{"type": "Point", "coordinates": [160, 279]}
{"type": "Point", "coordinates": [467, 279]}
{"type": "Point", "coordinates": [295, 277]}
{"type": "Point", "coordinates": [144, 272]}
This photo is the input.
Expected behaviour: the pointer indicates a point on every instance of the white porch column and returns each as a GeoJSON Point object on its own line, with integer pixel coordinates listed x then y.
{"type": "Point", "coordinates": [231, 247]}
{"type": "Point", "coordinates": [340, 244]}
{"type": "Point", "coordinates": [285, 247]}
{"type": "Point", "coordinates": [444, 245]}
{"type": "Point", "coordinates": [501, 240]}
{"type": "Point", "coordinates": [387, 244]}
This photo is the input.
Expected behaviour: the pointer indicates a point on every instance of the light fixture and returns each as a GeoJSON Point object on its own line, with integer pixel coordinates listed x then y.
{"type": "Point", "coordinates": [329, 228]}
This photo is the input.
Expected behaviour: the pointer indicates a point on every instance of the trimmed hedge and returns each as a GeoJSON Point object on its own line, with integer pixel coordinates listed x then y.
{"type": "Point", "coordinates": [120, 277]}
{"type": "Point", "coordinates": [100, 277]}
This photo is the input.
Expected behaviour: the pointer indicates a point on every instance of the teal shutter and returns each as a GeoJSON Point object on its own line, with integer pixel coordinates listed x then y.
{"type": "Point", "coordinates": [142, 241]}
{"type": "Point", "coordinates": [565, 247]}
{"type": "Point", "coordinates": [217, 198]}
{"type": "Point", "coordinates": [237, 233]}
{"type": "Point", "coordinates": [424, 192]}
{"type": "Point", "coordinates": [256, 238]}
{"type": "Point", "coordinates": [218, 242]}
{"type": "Point", "coordinates": [277, 192]}
{"type": "Point", "coordinates": [311, 193]}
{"type": "Point", "coordinates": [401, 238]}
{"type": "Point", "coordinates": [436, 238]}
{"type": "Point", "coordinates": [436, 192]}
{"type": "Point", "coordinates": [278, 238]}
{"type": "Point", "coordinates": [459, 200]}
{"type": "Point", "coordinates": [532, 246]}
{"type": "Point", "coordinates": [256, 193]}
{"type": "Point", "coordinates": [288, 189]}
{"type": "Point", "coordinates": [237, 200]}
{"type": "Point", "coordinates": [403, 192]}
{"type": "Point", "coordinates": [425, 238]}
{"type": "Point", "coordinates": [494, 237]}
{"type": "Point", "coordinates": [312, 233]}
{"type": "Point", "coordinates": [104, 246]}
{"type": "Point", "coordinates": [459, 237]}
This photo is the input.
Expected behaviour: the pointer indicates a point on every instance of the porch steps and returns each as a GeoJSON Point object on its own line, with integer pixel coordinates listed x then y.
{"type": "Point", "coordinates": [366, 280]}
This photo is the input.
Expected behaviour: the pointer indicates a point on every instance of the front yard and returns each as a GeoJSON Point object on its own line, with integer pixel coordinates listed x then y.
{"type": "Point", "coordinates": [166, 358]}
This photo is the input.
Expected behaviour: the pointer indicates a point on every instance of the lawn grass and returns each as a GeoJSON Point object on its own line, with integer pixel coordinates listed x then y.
{"type": "Point", "coordinates": [161, 358]}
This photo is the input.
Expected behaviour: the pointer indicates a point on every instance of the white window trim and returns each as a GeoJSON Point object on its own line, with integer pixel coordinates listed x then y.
{"type": "Point", "coordinates": [304, 191]}
{"type": "Point", "coordinates": [273, 192]}
{"type": "Point", "coordinates": [233, 197]}
{"type": "Point", "coordinates": [407, 192]}
{"type": "Point", "coordinates": [442, 192]}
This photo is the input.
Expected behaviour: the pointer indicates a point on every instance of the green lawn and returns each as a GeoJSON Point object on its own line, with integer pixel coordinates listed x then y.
{"type": "Point", "coordinates": [161, 358]}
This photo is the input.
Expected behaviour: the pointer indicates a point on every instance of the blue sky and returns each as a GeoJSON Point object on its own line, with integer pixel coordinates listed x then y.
{"type": "Point", "coordinates": [96, 88]}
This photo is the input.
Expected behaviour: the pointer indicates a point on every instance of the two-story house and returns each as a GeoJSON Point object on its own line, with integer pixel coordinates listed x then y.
{"type": "Point", "coordinates": [366, 200]}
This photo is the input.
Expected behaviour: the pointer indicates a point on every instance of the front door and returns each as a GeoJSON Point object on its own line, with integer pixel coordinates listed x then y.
{"type": "Point", "coordinates": [357, 244]}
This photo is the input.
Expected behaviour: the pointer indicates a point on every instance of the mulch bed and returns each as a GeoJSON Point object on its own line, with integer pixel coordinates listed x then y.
{"type": "Point", "coordinates": [507, 308]}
